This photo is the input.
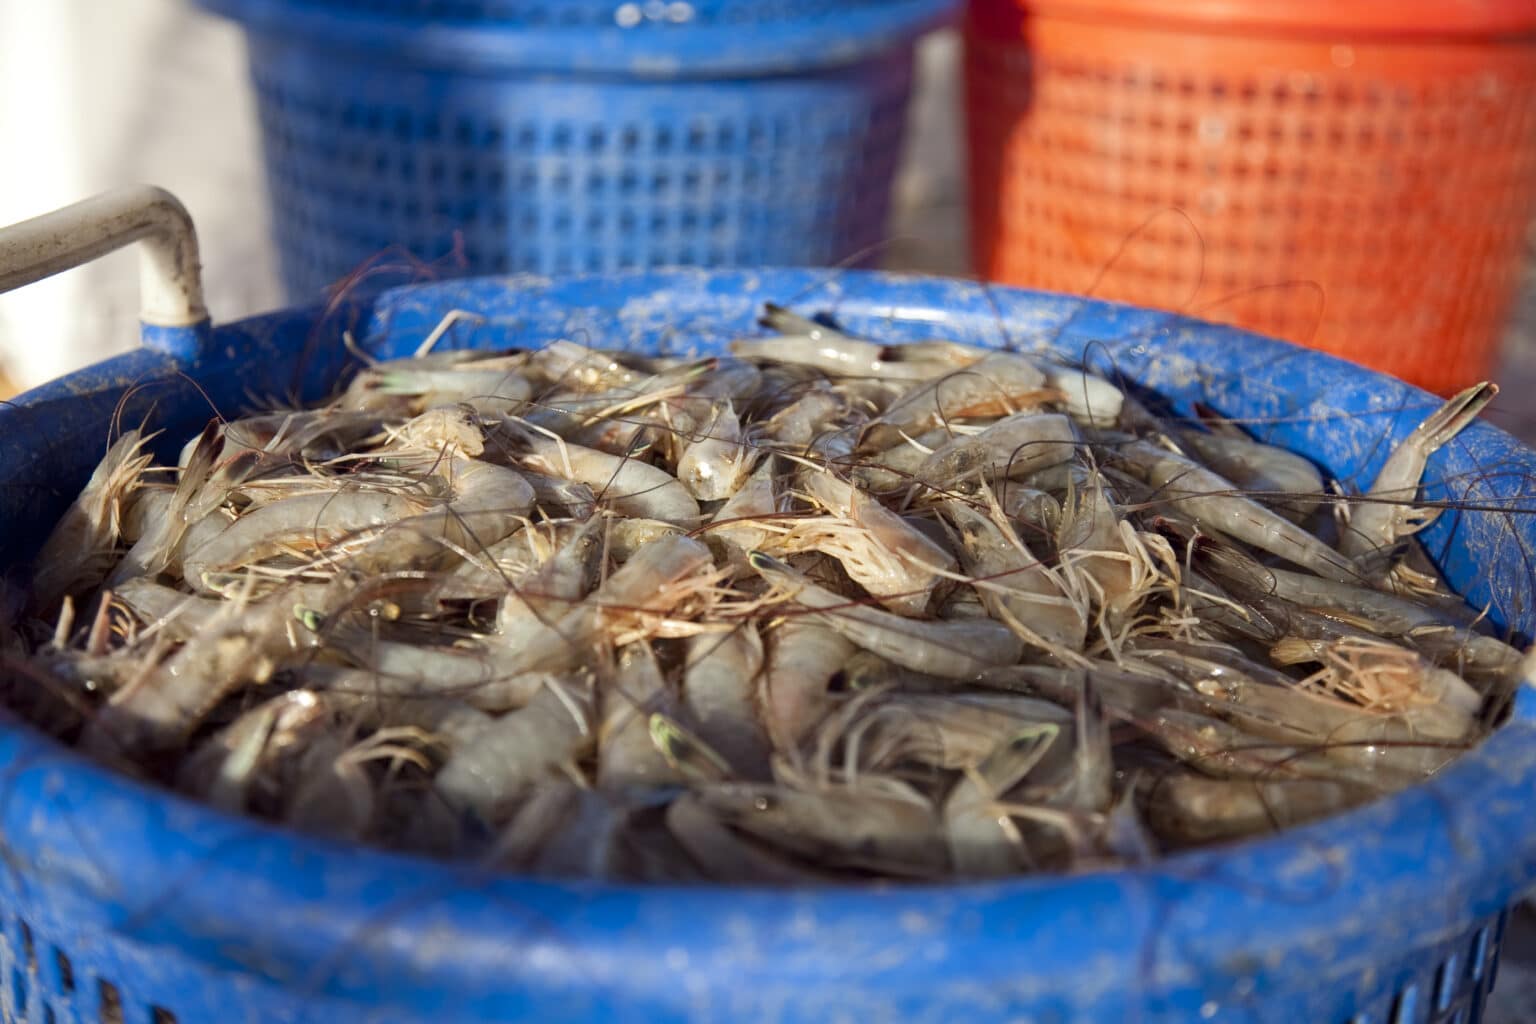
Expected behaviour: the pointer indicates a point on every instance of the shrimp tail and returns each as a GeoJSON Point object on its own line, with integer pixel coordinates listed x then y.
{"type": "Point", "coordinates": [787, 321]}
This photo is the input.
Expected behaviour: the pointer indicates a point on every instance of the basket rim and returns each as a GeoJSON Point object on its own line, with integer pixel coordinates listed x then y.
{"type": "Point", "coordinates": [653, 52]}
{"type": "Point", "coordinates": [1359, 21]}
{"type": "Point", "coordinates": [241, 895]}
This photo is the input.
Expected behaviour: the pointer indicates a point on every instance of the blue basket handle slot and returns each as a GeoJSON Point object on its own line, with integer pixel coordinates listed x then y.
{"type": "Point", "coordinates": [172, 313]}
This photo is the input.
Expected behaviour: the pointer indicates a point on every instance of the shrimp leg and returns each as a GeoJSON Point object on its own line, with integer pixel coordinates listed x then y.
{"type": "Point", "coordinates": [982, 842]}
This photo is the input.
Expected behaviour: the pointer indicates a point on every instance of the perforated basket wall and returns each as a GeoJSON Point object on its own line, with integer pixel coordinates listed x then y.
{"type": "Point", "coordinates": [563, 176]}
{"type": "Point", "coordinates": [1365, 191]}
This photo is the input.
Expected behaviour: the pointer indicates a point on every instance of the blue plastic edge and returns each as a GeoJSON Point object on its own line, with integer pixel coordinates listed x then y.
{"type": "Point", "coordinates": [183, 343]}
{"type": "Point", "coordinates": [670, 51]}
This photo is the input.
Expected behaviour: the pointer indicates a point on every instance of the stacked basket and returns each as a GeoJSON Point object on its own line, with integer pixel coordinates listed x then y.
{"type": "Point", "coordinates": [578, 135]}
{"type": "Point", "coordinates": [1354, 176]}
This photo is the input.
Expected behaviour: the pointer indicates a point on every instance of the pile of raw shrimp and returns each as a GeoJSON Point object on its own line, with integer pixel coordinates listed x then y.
{"type": "Point", "coordinates": [820, 609]}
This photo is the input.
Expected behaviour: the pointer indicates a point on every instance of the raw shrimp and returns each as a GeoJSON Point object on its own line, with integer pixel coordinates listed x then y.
{"type": "Point", "coordinates": [626, 753]}
{"type": "Point", "coordinates": [939, 730]}
{"type": "Point", "coordinates": [807, 343]}
{"type": "Point", "coordinates": [489, 773]}
{"type": "Point", "coordinates": [836, 826]}
{"type": "Point", "coordinates": [490, 676]}
{"type": "Point", "coordinates": [573, 365]}
{"type": "Point", "coordinates": [795, 426]}
{"type": "Point", "coordinates": [1393, 743]}
{"type": "Point", "coordinates": [312, 522]}
{"type": "Point", "coordinates": [725, 856]}
{"type": "Point", "coordinates": [1287, 482]}
{"type": "Point", "coordinates": [551, 494]}
{"type": "Point", "coordinates": [998, 384]}
{"type": "Point", "coordinates": [552, 588]}
{"type": "Point", "coordinates": [1089, 399]}
{"type": "Point", "coordinates": [738, 524]}
{"type": "Point", "coordinates": [957, 650]}
{"type": "Point", "coordinates": [181, 616]}
{"type": "Point", "coordinates": [716, 462]}
{"type": "Point", "coordinates": [1425, 627]}
{"type": "Point", "coordinates": [627, 486]}
{"type": "Point", "coordinates": [1388, 515]}
{"type": "Point", "coordinates": [206, 482]}
{"type": "Point", "coordinates": [802, 658]}
{"type": "Point", "coordinates": [982, 842]}
{"type": "Point", "coordinates": [489, 386]}
{"type": "Point", "coordinates": [246, 644]}
{"type": "Point", "coordinates": [639, 594]}
{"type": "Point", "coordinates": [720, 692]}
{"type": "Point", "coordinates": [881, 551]}
{"type": "Point", "coordinates": [1216, 504]}
{"type": "Point", "coordinates": [1018, 590]}
{"type": "Point", "coordinates": [1091, 542]}
{"type": "Point", "coordinates": [627, 536]}
{"type": "Point", "coordinates": [1195, 809]}
{"type": "Point", "coordinates": [79, 553]}
{"type": "Point", "coordinates": [225, 767]}
{"type": "Point", "coordinates": [1220, 749]}
{"type": "Point", "coordinates": [317, 435]}
{"type": "Point", "coordinates": [894, 469]}
{"type": "Point", "coordinates": [1012, 448]}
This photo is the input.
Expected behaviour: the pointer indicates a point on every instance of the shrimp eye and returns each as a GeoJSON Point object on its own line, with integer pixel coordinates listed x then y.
{"type": "Point", "coordinates": [764, 803]}
{"type": "Point", "coordinates": [386, 610]}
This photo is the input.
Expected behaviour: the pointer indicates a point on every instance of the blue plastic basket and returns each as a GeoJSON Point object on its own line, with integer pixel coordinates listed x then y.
{"type": "Point", "coordinates": [560, 136]}
{"type": "Point", "coordinates": [125, 903]}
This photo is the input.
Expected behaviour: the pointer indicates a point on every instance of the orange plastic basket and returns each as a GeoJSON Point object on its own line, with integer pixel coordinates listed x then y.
{"type": "Point", "coordinates": [1354, 176]}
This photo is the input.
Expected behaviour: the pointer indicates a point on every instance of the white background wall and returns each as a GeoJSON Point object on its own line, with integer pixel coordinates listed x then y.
{"type": "Point", "coordinates": [96, 93]}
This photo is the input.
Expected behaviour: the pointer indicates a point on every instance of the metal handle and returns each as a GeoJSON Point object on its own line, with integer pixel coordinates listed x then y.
{"type": "Point", "coordinates": [171, 286]}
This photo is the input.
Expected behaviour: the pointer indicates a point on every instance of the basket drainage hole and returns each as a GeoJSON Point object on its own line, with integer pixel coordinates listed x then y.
{"type": "Point", "coordinates": [65, 968]}
{"type": "Point", "coordinates": [28, 946]}
{"type": "Point", "coordinates": [1406, 1010]}
{"type": "Point", "coordinates": [1447, 981]}
{"type": "Point", "coordinates": [111, 1003]}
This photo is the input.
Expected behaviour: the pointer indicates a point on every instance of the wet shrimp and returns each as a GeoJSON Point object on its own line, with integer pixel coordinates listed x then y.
{"type": "Point", "coordinates": [79, 553]}
{"type": "Point", "coordinates": [819, 610]}
{"type": "Point", "coordinates": [956, 649]}
{"type": "Point", "coordinates": [1376, 525]}
{"type": "Point", "coordinates": [1217, 504]}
